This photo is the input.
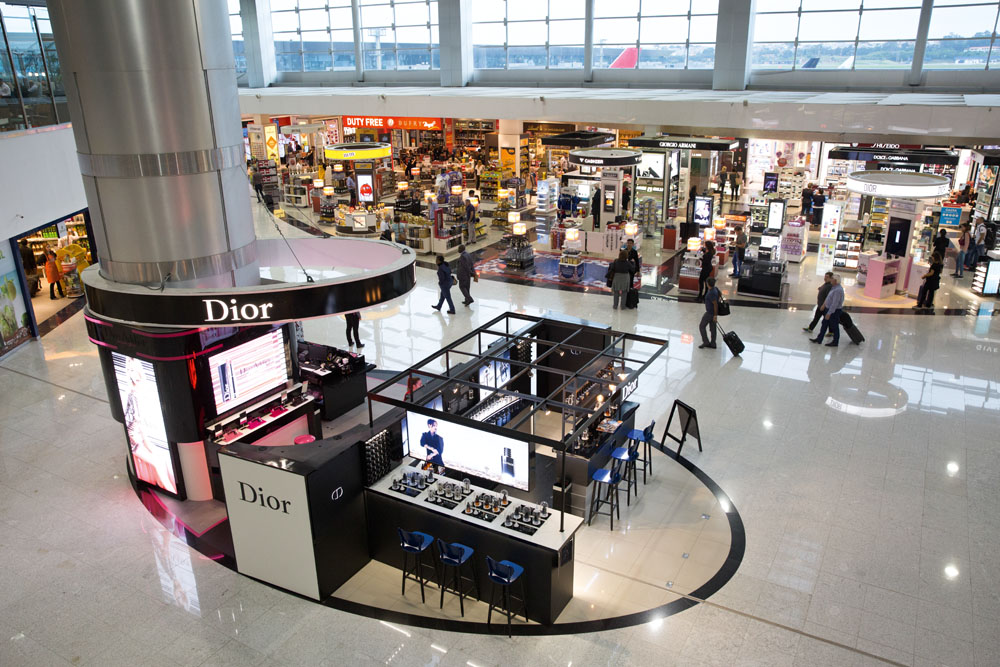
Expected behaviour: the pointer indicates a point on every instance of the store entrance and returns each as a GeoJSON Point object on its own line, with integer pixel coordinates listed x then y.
{"type": "Point", "coordinates": [54, 285]}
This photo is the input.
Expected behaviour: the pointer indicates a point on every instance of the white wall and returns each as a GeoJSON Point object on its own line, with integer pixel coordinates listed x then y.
{"type": "Point", "coordinates": [39, 178]}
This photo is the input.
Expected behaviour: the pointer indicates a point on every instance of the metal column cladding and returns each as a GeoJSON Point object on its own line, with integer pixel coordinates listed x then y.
{"type": "Point", "coordinates": [151, 88]}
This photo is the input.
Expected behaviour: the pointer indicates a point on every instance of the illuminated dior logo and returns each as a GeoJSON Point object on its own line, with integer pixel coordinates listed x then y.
{"type": "Point", "coordinates": [257, 496]}
{"type": "Point", "coordinates": [217, 310]}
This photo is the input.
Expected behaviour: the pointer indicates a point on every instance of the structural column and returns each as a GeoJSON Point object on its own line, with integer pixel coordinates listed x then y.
{"type": "Point", "coordinates": [455, 28]}
{"type": "Point", "coordinates": [258, 41]}
{"type": "Point", "coordinates": [151, 88]}
{"type": "Point", "coordinates": [733, 40]}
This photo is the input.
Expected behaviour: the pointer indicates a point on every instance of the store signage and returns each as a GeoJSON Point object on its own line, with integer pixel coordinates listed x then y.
{"type": "Point", "coordinates": [366, 192]}
{"type": "Point", "coordinates": [271, 142]}
{"type": "Point", "coordinates": [905, 147]}
{"type": "Point", "coordinates": [393, 122]}
{"type": "Point", "coordinates": [217, 310]}
{"type": "Point", "coordinates": [951, 215]}
{"type": "Point", "coordinates": [605, 157]}
{"type": "Point", "coordinates": [685, 143]}
{"type": "Point", "coordinates": [917, 190]}
{"type": "Point", "coordinates": [876, 155]}
{"type": "Point", "coordinates": [265, 500]}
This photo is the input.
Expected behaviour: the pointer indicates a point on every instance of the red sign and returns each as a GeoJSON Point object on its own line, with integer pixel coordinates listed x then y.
{"type": "Point", "coordinates": [393, 122]}
{"type": "Point", "coordinates": [366, 190]}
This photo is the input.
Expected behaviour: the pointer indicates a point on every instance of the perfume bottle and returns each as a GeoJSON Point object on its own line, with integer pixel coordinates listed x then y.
{"type": "Point", "coordinates": [506, 465]}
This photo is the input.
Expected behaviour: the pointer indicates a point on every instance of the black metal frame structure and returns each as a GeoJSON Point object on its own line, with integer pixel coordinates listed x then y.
{"type": "Point", "coordinates": [507, 331]}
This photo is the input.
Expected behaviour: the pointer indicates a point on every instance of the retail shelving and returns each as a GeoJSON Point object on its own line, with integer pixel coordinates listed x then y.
{"type": "Point", "coordinates": [471, 133]}
{"type": "Point", "coordinates": [847, 253]}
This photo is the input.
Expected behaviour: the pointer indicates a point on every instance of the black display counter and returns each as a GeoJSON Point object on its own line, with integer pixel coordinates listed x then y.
{"type": "Point", "coordinates": [339, 376]}
{"type": "Point", "coordinates": [547, 556]}
{"type": "Point", "coordinates": [762, 278]}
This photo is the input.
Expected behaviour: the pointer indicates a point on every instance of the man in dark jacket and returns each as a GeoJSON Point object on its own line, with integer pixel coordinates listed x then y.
{"type": "Point", "coordinates": [466, 274]}
{"type": "Point", "coordinates": [633, 258]}
{"type": "Point", "coordinates": [821, 294]}
{"type": "Point", "coordinates": [807, 200]}
{"type": "Point", "coordinates": [595, 208]}
{"type": "Point", "coordinates": [30, 265]}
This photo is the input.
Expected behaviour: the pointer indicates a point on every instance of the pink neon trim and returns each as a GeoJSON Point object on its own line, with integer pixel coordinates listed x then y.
{"type": "Point", "coordinates": [178, 334]}
{"type": "Point", "coordinates": [91, 319]}
{"type": "Point", "coordinates": [108, 345]}
{"type": "Point", "coordinates": [193, 355]}
{"type": "Point", "coordinates": [181, 521]}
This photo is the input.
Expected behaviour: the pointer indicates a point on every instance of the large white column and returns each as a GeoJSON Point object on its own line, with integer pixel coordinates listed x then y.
{"type": "Point", "coordinates": [258, 42]}
{"type": "Point", "coordinates": [455, 29]}
{"type": "Point", "coordinates": [920, 46]}
{"type": "Point", "coordinates": [733, 39]}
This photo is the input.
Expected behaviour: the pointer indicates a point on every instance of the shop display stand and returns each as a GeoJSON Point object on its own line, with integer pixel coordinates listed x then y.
{"type": "Point", "coordinates": [647, 214]}
{"type": "Point", "coordinates": [520, 254]}
{"type": "Point", "coordinates": [882, 277]}
{"type": "Point", "coordinates": [846, 255]}
{"type": "Point", "coordinates": [863, 260]}
{"type": "Point", "coordinates": [879, 216]}
{"type": "Point", "coordinates": [269, 176]}
{"type": "Point", "coordinates": [791, 181]}
{"type": "Point", "coordinates": [793, 241]}
{"type": "Point", "coordinates": [489, 183]}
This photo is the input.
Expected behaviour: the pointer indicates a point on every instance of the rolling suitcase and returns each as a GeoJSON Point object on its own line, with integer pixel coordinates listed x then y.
{"type": "Point", "coordinates": [848, 324]}
{"type": "Point", "coordinates": [632, 298]}
{"type": "Point", "coordinates": [732, 341]}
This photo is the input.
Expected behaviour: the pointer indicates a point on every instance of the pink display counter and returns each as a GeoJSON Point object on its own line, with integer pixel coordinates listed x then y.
{"type": "Point", "coordinates": [882, 277]}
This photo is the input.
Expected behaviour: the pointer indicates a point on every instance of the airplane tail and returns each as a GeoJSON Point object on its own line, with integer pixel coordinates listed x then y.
{"type": "Point", "coordinates": [627, 59]}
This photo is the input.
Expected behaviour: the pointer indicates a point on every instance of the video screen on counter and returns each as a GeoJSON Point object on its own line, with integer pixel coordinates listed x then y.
{"type": "Point", "coordinates": [703, 211]}
{"type": "Point", "coordinates": [467, 450]}
{"type": "Point", "coordinates": [775, 214]}
{"type": "Point", "coordinates": [147, 434]}
{"type": "Point", "coordinates": [249, 370]}
{"type": "Point", "coordinates": [898, 237]}
{"type": "Point", "coordinates": [770, 181]}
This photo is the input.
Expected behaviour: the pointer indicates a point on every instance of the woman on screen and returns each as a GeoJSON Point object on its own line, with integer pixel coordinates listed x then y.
{"type": "Point", "coordinates": [144, 452]}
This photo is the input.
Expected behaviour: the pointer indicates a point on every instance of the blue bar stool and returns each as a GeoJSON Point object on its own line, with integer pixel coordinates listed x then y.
{"type": "Point", "coordinates": [628, 456]}
{"type": "Point", "coordinates": [503, 574]}
{"type": "Point", "coordinates": [606, 482]}
{"type": "Point", "coordinates": [645, 436]}
{"type": "Point", "coordinates": [415, 543]}
{"type": "Point", "coordinates": [452, 556]}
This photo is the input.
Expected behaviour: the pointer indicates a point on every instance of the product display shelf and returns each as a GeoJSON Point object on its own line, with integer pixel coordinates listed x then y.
{"type": "Point", "coordinates": [791, 181]}
{"type": "Point", "coordinates": [986, 279]}
{"type": "Point", "coordinates": [883, 275]}
{"type": "Point", "coordinates": [489, 183]}
{"type": "Point", "coordinates": [647, 214]}
{"type": "Point", "coordinates": [847, 251]}
{"type": "Point", "coordinates": [878, 217]}
{"type": "Point", "coordinates": [269, 178]}
{"type": "Point", "coordinates": [983, 203]}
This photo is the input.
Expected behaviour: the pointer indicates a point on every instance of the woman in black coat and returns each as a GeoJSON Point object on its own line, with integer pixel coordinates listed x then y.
{"type": "Point", "coordinates": [706, 268]}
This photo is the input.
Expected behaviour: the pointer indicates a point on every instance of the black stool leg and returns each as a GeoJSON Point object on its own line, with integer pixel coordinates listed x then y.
{"type": "Point", "coordinates": [524, 601]}
{"type": "Point", "coordinates": [444, 584]}
{"type": "Point", "coordinates": [506, 597]}
{"type": "Point", "coordinates": [594, 502]}
{"type": "Point", "coordinates": [649, 460]}
{"type": "Point", "coordinates": [493, 597]}
{"type": "Point", "coordinates": [406, 557]}
{"type": "Point", "coordinates": [420, 576]}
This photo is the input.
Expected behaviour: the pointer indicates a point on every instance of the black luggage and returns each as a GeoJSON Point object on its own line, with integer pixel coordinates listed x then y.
{"type": "Point", "coordinates": [848, 324]}
{"type": "Point", "coordinates": [632, 298]}
{"type": "Point", "coordinates": [732, 341]}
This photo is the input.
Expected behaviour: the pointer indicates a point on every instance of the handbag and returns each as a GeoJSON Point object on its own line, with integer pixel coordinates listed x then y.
{"type": "Point", "coordinates": [723, 306]}
{"type": "Point", "coordinates": [609, 277]}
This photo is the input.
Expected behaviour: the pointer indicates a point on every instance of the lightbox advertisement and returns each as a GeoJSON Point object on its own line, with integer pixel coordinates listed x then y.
{"type": "Point", "coordinates": [147, 435]}
{"type": "Point", "coordinates": [652, 166]}
{"type": "Point", "coordinates": [366, 191]}
{"type": "Point", "coordinates": [248, 370]}
{"type": "Point", "coordinates": [468, 450]}
{"type": "Point", "coordinates": [703, 211]}
{"type": "Point", "coordinates": [14, 321]}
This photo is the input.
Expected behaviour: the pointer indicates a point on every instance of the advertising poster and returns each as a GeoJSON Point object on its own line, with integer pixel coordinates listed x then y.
{"type": "Point", "coordinates": [366, 190]}
{"type": "Point", "coordinates": [332, 132]}
{"type": "Point", "coordinates": [775, 214]}
{"type": "Point", "coordinates": [703, 211]}
{"type": "Point", "coordinates": [14, 321]}
{"type": "Point", "coordinates": [831, 221]}
{"type": "Point", "coordinates": [271, 142]}
{"type": "Point", "coordinates": [468, 450]}
{"type": "Point", "coordinates": [951, 215]}
{"type": "Point", "coordinates": [652, 166]}
{"type": "Point", "coordinates": [770, 181]}
{"type": "Point", "coordinates": [147, 435]}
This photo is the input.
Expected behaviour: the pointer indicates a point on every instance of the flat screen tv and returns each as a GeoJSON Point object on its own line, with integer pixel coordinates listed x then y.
{"type": "Point", "coordinates": [898, 237]}
{"type": "Point", "coordinates": [467, 450]}
{"type": "Point", "coordinates": [249, 370]}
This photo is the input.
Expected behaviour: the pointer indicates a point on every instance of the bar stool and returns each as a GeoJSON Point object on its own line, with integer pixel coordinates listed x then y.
{"type": "Point", "coordinates": [415, 543]}
{"type": "Point", "coordinates": [645, 436]}
{"type": "Point", "coordinates": [609, 478]}
{"type": "Point", "coordinates": [452, 556]}
{"type": "Point", "coordinates": [628, 456]}
{"type": "Point", "coordinates": [503, 574]}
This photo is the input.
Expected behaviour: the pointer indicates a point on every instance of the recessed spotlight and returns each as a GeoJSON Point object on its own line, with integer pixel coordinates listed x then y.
{"type": "Point", "coordinates": [950, 571]}
{"type": "Point", "coordinates": [952, 468]}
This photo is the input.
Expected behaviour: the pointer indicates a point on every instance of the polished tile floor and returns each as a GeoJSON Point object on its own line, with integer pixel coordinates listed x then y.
{"type": "Point", "coordinates": [868, 480]}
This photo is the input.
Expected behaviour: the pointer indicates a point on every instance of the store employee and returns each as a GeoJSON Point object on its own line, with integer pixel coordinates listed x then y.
{"type": "Point", "coordinates": [433, 443]}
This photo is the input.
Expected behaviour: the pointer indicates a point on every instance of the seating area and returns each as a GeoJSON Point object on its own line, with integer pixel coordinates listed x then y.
{"type": "Point", "coordinates": [624, 467]}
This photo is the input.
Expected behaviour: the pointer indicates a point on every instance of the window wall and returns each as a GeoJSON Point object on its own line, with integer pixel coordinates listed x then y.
{"type": "Point", "coordinates": [834, 34]}
{"type": "Point", "coordinates": [528, 34]}
{"type": "Point", "coordinates": [236, 28]}
{"type": "Point", "coordinates": [313, 35]}
{"type": "Point", "coordinates": [31, 86]}
{"type": "Point", "coordinates": [400, 35]}
{"type": "Point", "coordinates": [655, 34]}
{"type": "Point", "coordinates": [962, 35]}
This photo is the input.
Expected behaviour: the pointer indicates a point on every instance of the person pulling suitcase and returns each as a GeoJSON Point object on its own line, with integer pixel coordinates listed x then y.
{"type": "Point", "coordinates": [711, 316]}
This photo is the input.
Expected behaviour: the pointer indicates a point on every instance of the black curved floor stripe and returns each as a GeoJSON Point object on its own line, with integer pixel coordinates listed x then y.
{"type": "Point", "coordinates": [216, 544]}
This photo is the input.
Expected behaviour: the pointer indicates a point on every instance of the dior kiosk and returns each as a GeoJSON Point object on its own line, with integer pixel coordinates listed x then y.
{"type": "Point", "coordinates": [490, 442]}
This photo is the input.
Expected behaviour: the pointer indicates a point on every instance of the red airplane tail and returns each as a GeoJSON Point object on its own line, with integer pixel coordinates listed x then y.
{"type": "Point", "coordinates": [627, 59]}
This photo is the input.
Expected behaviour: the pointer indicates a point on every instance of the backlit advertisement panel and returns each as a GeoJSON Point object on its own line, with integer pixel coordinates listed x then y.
{"type": "Point", "coordinates": [147, 435]}
{"type": "Point", "coordinates": [366, 191]}
{"type": "Point", "coordinates": [248, 370]}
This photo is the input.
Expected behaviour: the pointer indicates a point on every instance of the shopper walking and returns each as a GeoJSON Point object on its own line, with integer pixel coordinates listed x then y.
{"type": "Point", "coordinates": [807, 200]}
{"type": "Point", "coordinates": [978, 248]}
{"type": "Point", "coordinates": [832, 306]}
{"type": "Point", "coordinates": [595, 208]}
{"type": "Point", "coordinates": [353, 322]}
{"type": "Point", "coordinates": [707, 255]}
{"type": "Point", "coordinates": [711, 317]}
{"type": "Point", "coordinates": [964, 238]}
{"type": "Point", "coordinates": [739, 252]}
{"type": "Point", "coordinates": [734, 183]}
{"type": "Point", "coordinates": [53, 274]}
{"type": "Point", "coordinates": [445, 282]}
{"type": "Point", "coordinates": [821, 293]}
{"type": "Point", "coordinates": [620, 277]}
{"type": "Point", "coordinates": [30, 265]}
{"type": "Point", "coordinates": [258, 184]}
{"type": "Point", "coordinates": [633, 259]}
{"type": "Point", "coordinates": [931, 282]}
{"type": "Point", "coordinates": [466, 274]}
